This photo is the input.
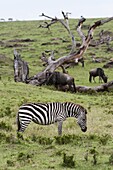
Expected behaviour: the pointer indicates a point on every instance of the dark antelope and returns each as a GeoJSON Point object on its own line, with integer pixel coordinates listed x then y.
{"type": "Point", "coordinates": [97, 72]}
{"type": "Point", "coordinates": [60, 80]}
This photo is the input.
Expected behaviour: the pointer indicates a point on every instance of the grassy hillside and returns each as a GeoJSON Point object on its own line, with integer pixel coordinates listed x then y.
{"type": "Point", "coordinates": [41, 147]}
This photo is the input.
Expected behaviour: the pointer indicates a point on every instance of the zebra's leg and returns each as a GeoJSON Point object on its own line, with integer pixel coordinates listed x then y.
{"type": "Point", "coordinates": [23, 125]}
{"type": "Point", "coordinates": [60, 127]}
{"type": "Point", "coordinates": [21, 128]}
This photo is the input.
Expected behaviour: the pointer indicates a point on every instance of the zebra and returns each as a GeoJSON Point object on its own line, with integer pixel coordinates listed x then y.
{"type": "Point", "coordinates": [49, 113]}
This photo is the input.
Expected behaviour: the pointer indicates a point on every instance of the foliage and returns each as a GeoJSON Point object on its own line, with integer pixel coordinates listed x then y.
{"type": "Point", "coordinates": [111, 159]}
{"type": "Point", "coordinates": [68, 161]}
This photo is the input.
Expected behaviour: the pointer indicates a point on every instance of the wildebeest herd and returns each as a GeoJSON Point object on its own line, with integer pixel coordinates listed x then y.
{"type": "Point", "coordinates": [65, 82]}
{"type": "Point", "coordinates": [61, 80]}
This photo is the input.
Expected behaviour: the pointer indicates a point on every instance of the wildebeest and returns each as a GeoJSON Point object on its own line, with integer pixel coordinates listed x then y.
{"type": "Point", "coordinates": [97, 72]}
{"type": "Point", "coordinates": [60, 80]}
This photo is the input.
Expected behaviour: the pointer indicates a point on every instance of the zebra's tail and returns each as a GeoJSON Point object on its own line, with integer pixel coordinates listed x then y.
{"type": "Point", "coordinates": [18, 123]}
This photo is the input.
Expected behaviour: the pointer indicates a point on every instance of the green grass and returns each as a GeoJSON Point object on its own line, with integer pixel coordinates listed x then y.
{"type": "Point", "coordinates": [40, 147]}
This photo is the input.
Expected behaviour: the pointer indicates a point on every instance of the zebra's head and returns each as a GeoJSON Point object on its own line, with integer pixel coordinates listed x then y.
{"type": "Point", "coordinates": [79, 112]}
{"type": "Point", "coordinates": [82, 119]}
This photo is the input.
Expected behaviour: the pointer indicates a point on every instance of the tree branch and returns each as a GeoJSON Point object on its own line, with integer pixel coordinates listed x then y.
{"type": "Point", "coordinates": [80, 23]}
{"type": "Point", "coordinates": [103, 87]}
{"type": "Point", "coordinates": [66, 25]}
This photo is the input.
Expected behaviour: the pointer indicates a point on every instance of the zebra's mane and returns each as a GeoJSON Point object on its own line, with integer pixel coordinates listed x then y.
{"type": "Point", "coordinates": [71, 103]}
{"type": "Point", "coordinates": [34, 103]}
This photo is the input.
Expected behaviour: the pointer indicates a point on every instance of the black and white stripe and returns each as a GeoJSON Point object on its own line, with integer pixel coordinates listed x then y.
{"type": "Point", "coordinates": [49, 113]}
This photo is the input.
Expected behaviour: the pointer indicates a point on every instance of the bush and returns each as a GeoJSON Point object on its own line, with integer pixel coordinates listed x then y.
{"type": "Point", "coordinates": [66, 139]}
{"type": "Point", "coordinates": [104, 139]}
{"type": "Point", "coordinates": [111, 159]}
{"type": "Point", "coordinates": [2, 137]}
{"type": "Point", "coordinates": [7, 111]}
{"type": "Point", "coordinates": [5, 126]}
{"type": "Point", "coordinates": [68, 161]}
{"type": "Point", "coordinates": [45, 141]}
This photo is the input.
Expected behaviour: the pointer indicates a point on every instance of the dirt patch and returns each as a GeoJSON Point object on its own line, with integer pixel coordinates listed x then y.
{"type": "Point", "coordinates": [7, 45]}
{"type": "Point", "coordinates": [16, 43]}
{"type": "Point", "coordinates": [22, 40]}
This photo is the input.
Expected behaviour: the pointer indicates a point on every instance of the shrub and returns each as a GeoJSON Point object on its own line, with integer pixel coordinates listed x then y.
{"type": "Point", "coordinates": [68, 161]}
{"type": "Point", "coordinates": [94, 153]}
{"type": "Point", "coordinates": [5, 126]}
{"type": "Point", "coordinates": [61, 140]}
{"type": "Point", "coordinates": [44, 140]}
{"type": "Point", "coordinates": [110, 112]}
{"type": "Point", "coordinates": [10, 163]}
{"type": "Point", "coordinates": [104, 139]}
{"type": "Point", "coordinates": [65, 139]}
{"type": "Point", "coordinates": [7, 111]}
{"type": "Point", "coordinates": [111, 159]}
{"type": "Point", "coordinates": [2, 137]}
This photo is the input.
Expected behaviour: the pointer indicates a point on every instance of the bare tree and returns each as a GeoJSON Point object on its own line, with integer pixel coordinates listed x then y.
{"type": "Point", "coordinates": [10, 19]}
{"type": "Point", "coordinates": [2, 19]}
{"type": "Point", "coordinates": [47, 25]}
{"type": "Point", "coordinates": [73, 55]}
{"type": "Point", "coordinates": [52, 65]}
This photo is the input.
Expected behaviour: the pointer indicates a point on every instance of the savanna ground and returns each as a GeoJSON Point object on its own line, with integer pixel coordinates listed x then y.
{"type": "Point", "coordinates": [40, 147]}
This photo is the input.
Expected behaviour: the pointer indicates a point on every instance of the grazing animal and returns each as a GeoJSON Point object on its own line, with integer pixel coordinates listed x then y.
{"type": "Point", "coordinates": [49, 113]}
{"type": "Point", "coordinates": [97, 72]}
{"type": "Point", "coordinates": [59, 80]}
{"type": "Point", "coordinates": [81, 60]}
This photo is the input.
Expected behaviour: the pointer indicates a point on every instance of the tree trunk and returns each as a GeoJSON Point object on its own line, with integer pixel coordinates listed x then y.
{"type": "Point", "coordinates": [21, 69]}
{"type": "Point", "coordinates": [103, 87]}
